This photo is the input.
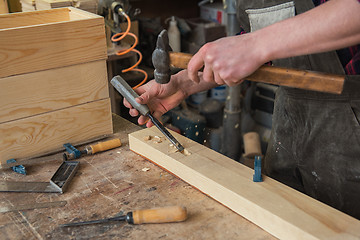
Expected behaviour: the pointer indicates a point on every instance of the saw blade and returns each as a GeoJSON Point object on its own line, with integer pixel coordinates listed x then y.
{"type": "Point", "coordinates": [32, 206]}
{"type": "Point", "coordinates": [46, 187]}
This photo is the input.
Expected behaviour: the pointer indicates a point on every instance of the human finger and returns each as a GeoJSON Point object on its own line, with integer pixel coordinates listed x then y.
{"type": "Point", "coordinates": [208, 74]}
{"type": "Point", "coordinates": [127, 104]}
{"type": "Point", "coordinates": [195, 64]}
{"type": "Point", "coordinates": [218, 79]}
{"type": "Point", "coordinates": [133, 112]}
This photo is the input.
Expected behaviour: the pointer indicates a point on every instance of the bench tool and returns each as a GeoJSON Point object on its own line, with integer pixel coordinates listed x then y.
{"type": "Point", "coordinates": [57, 184]}
{"type": "Point", "coordinates": [155, 215]}
{"type": "Point", "coordinates": [129, 94]}
{"type": "Point", "coordinates": [72, 153]}
{"type": "Point", "coordinates": [162, 59]}
{"type": "Point", "coordinates": [32, 206]}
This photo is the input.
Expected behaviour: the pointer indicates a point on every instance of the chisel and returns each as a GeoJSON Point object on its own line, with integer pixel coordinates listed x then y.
{"type": "Point", "coordinates": [155, 215]}
{"type": "Point", "coordinates": [129, 94]}
{"type": "Point", "coordinates": [90, 149]}
{"type": "Point", "coordinates": [94, 148]}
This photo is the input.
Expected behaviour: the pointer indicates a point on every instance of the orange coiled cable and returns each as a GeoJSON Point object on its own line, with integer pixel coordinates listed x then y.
{"type": "Point", "coordinates": [119, 36]}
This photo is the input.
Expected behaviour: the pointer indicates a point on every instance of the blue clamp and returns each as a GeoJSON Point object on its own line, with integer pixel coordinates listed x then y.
{"type": "Point", "coordinates": [72, 150]}
{"type": "Point", "coordinates": [18, 169]}
{"type": "Point", "coordinates": [257, 167]}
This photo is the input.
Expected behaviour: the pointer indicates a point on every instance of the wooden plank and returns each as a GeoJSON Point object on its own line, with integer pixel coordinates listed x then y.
{"type": "Point", "coordinates": [49, 4]}
{"type": "Point", "coordinates": [39, 92]}
{"type": "Point", "coordinates": [3, 6]}
{"type": "Point", "coordinates": [47, 132]}
{"type": "Point", "coordinates": [51, 45]}
{"type": "Point", "coordinates": [23, 19]}
{"type": "Point", "coordinates": [278, 209]}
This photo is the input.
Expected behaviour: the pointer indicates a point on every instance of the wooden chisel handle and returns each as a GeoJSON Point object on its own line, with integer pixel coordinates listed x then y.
{"type": "Point", "coordinates": [103, 146]}
{"type": "Point", "coordinates": [160, 215]}
{"type": "Point", "coordinates": [308, 80]}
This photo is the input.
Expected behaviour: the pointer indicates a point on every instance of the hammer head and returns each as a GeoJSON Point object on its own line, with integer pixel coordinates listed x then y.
{"type": "Point", "coordinates": [161, 59]}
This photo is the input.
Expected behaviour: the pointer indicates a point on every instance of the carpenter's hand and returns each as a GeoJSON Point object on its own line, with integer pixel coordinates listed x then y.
{"type": "Point", "coordinates": [160, 97]}
{"type": "Point", "coordinates": [227, 60]}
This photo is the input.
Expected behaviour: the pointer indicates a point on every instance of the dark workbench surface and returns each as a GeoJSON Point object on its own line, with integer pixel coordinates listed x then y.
{"type": "Point", "coordinates": [114, 181]}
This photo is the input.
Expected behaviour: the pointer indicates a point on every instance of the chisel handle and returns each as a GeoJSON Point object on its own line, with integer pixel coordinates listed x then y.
{"type": "Point", "coordinates": [129, 94]}
{"type": "Point", "coordinates": [160, 215]}
{"type": "Point", "coordinates": [103, 146]}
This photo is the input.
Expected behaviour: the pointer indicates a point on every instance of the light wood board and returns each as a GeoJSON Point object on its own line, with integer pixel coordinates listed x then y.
{"type": "Point", "coordinates": [3, 6]}
{"type": "Point", "coordinates": [278, 209]}
{"type": "Point", "coordinates": [44, 133]}
{"type": "Point", "coordinates": [63, 38]}
{"type": "Point", "coordinates": [39, 92]}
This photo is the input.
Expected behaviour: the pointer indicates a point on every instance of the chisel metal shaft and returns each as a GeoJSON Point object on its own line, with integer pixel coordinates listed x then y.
{"type": "Point", "coordinates": [130, 95]}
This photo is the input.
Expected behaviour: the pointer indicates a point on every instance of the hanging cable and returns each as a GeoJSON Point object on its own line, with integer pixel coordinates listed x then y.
{"type": "Point", "coordinates": [118, 37]}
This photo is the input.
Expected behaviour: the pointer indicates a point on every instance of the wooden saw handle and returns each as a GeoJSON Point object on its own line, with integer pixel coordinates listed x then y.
{"type": "Point", "coordinates": [308, 80]}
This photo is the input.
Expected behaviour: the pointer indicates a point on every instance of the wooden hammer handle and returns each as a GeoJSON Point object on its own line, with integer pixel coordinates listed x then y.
{"type": "Point", "coordinates": [308, 80]}
{"type": "Point", "coordinates": [179, 59]}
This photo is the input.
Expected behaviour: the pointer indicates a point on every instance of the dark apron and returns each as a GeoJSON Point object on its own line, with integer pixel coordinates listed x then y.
{"type": "Point", "coordinates": [315, 141]}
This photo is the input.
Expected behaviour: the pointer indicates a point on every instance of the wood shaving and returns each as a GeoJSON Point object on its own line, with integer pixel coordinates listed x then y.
{"type": "Point", "coordinates": [172, 148]}
{"type": "Point", "coordinates": [147, 138]}
{"type": "Point", "coordinates": [157, 139]}
{"type": "Point", "coordinates": [145, 169]}
{"type": "Point", "coordinates": [186, 152]}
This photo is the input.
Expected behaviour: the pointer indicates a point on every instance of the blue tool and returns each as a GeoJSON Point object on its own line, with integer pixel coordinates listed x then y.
{"type": "Point", "coordinates": [18, 168]}
{"type": "Point", "coordinates": [73, 153]}
{"type": "Point", "coordinates": [257, 167]}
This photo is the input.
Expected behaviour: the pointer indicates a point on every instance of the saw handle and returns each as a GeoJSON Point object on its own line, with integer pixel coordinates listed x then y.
{"type": "Point", "coordinates": [308, 80]}
{"type": "Point", "coordinates": [103, 146]}
{"type": "Point", "coordinates": [158, 215]}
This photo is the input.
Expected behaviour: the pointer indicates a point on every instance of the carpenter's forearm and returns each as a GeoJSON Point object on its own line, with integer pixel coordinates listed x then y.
{"type": "Point", "coordinates": [332, 25]}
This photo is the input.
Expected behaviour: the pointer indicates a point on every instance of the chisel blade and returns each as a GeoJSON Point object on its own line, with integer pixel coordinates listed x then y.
{"type": "Point", "coordinates": [166, 133]}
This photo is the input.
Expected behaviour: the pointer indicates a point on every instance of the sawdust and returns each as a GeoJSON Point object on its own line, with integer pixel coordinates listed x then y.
{"type": "Point", "coordinates": [147, 138]}
{"type": "Point", "coordinates": [186, 152]}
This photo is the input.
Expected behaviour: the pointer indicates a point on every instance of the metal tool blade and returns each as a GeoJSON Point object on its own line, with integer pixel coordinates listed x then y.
{"type": "Point", "coordinates": [58, 183]}
{"type": "Point", "coordinates": [46, 187]}
{"type": "Point", "coordinates": [166, 133]}
{"type": "Point", "coordinates": [32, 206]}
{"type": "Point", "coordinates": [120, 218]}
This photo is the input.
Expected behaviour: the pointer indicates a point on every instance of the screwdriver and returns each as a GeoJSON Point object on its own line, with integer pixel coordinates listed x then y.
{"type": "Point", "coordinates": [129, 94]}
{"type": "Point", "coordinates": [155, 215]}
{"type": "Point", "coordinates": [94, 148]}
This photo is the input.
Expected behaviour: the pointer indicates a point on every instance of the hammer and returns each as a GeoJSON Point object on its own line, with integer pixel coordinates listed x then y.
{"type": "Point", "coordinates": [163, 58]}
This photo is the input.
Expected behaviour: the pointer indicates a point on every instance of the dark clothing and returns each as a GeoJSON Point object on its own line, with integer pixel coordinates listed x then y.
{"type": "Point", "coordinates": [315, 146]}
{"type": "Point", "coordinates": [349, 57]}
{"type": "Point", "coordinates": [315, 139]}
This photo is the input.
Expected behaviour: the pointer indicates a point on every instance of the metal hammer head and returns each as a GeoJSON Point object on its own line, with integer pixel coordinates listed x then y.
{"type": "Point", "coordinates": [161, 59]}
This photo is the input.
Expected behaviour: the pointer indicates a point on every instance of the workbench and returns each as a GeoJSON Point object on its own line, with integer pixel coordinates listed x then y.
{"type": "Point", "coordinates": [112, 182]}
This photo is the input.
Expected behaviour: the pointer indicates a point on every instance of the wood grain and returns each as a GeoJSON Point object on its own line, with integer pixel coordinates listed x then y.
{"type": "Point", "coordinates": [3, 6]}
{"type": "Point", "coordinates": [111, 182]}
{"type": "Point", "coordinates": [47, 132]}
{"type": "Point", "coordinates": [278, 209]}
{"type": "Point", "coordinates": [52, 45]}
{"type": "Point", "coordinates": [39, 92]}
{"type": "Point", "coordinates": [308, 80]}
{"type": "Point", "coordinates": [302, 79]}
